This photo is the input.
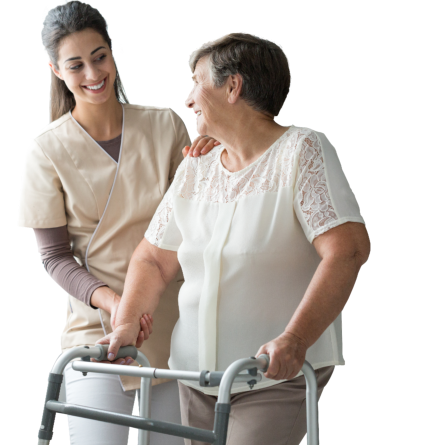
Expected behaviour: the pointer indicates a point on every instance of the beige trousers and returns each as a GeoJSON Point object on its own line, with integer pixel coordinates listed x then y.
{"type": "Point", "coordinates": [275, 415]}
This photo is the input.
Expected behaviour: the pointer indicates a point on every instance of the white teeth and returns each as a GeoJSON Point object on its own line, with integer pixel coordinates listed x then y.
{"type": "Point", "coordinates": [96, 87]}
{"type": "Point", "coordinates": [198, 113]}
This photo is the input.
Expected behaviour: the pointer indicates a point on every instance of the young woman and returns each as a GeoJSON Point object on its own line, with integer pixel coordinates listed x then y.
{"type": "Point", "coordinates": [94, 179]}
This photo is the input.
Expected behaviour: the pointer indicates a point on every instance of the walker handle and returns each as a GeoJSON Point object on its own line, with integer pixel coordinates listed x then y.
{"type": "Point", "coordinates": [265, 358]}
{"type": "Point", "coordinates": [124, 351]}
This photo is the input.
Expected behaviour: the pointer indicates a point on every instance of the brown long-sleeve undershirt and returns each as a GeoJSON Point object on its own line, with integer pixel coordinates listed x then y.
{"type": "Point", "coordinates": [57, 256]}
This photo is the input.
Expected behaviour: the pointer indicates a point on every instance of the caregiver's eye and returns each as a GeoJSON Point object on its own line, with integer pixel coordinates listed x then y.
{"type": "Point", "coordinates": [75, 67]}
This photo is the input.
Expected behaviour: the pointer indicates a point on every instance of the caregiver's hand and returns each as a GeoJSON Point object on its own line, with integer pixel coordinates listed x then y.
{"type": "Point", "coordinates": [287, 353]}
{"type": "Point", "coordinates": [201, 145]}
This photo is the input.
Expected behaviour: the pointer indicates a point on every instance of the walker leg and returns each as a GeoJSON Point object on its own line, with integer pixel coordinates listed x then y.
{"type": "Point", "coordinates": [222, 414]}
{"type": "Point", "coordinates": [144, 409]}
{"type": "Point", "coordinates": [48, 417]}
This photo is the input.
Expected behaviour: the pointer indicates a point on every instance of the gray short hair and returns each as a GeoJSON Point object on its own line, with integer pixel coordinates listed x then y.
{"type": "Point", "coordinates": [262, 65]}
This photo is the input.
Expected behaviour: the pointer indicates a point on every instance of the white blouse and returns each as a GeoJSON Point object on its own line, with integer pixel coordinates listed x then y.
{"type": "Point", "coordinates": [243, 240]}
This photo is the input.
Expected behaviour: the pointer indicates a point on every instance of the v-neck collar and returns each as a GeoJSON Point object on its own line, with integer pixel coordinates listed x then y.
{"type": "Point", "coordinates": [96, 143]}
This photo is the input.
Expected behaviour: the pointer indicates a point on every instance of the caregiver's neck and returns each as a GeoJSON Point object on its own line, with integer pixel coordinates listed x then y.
{"type": "Point", "coordinates": [246, 135]}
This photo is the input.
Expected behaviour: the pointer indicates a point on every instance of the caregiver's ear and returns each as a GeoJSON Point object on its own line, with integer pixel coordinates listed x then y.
{"type": "Point", "coordinates": [55, 71]}
{"type": "Point", "coordinates": [234, 87]}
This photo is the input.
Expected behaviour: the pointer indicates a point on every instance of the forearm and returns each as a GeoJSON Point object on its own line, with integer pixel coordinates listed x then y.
{"type": "Point", "coordinates": [325, 297]}
{"type": "Point", "coordinates": [60, 264]}
{"type": "Point", "coordinates": [143, 288]}
{"type": "Point", "coordinates": [104, 298]}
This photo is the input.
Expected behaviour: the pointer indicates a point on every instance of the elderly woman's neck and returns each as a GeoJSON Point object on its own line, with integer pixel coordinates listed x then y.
{"type": "Point", "coordinates": [247, 138]}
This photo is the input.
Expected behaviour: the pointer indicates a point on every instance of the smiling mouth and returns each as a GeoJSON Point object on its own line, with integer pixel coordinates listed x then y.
{"type": "Point", "coordinates": [96, 87]}
{"type": "Point", "coordinates": [198, 113]}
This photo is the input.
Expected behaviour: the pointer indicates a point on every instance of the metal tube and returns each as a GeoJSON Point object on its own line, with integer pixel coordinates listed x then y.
{"type": "Point", "coordinates": [144, 399]}
{"type": "Point", "coordinates": [105, 368]}
{"type": "Point", "coordinates": [172, 429]}
{"type": "Point", "coordinates": [311, 404]}
{"type": "Point", "coordinates": [262, 363]}
{"type": "Point", "coordinates": [232, 371]}
{"type": "Point", "coordinates": [67, 356]}
{"type": "Point", "coordinates": [152, 373]}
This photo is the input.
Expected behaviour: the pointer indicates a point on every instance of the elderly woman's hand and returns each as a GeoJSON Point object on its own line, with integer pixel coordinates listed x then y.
{"type": "Point", "coordinates": [287, 353]}
{"type": "Point", "coordinates": [201, 145]}
{"type": "Point", "coordinates": [125, 335]}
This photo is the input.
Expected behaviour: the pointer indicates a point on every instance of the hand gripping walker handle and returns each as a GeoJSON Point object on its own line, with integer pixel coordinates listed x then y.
{"type": "Point", "coordinates": [265, 358]}
{"type": "Point", "coordinates": [124, 351]}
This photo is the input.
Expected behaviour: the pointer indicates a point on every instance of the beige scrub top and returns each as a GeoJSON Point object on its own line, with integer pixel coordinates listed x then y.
{"type": "Point", "coordinates": [107, 206]}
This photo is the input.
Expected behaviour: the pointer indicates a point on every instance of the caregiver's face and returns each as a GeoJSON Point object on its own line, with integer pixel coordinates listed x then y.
{"type": "Point", "coordinates": [86, 66]}
{"type": "Point", "coordinates": [207, 101]}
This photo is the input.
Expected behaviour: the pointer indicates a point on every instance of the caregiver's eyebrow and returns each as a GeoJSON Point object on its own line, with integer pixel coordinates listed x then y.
{"type": "Point", "coordinates": [78, 58]}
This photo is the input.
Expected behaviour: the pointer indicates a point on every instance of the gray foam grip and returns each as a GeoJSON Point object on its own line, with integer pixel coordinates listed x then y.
{"type": "Point", "coordinates": [125, 351]}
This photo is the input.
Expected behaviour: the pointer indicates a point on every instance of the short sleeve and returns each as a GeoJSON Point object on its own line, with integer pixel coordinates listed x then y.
{"type": "Point", "coordinates": [323, 198]}
{"type": "Point", "coordinates": [163, 231]}
{"type": "Point", "coordinates": [42, 200]}
{"type": "Point", "coordinates": [181, 140]}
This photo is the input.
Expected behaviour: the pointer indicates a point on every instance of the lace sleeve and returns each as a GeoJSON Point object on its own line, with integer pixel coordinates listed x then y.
{"type": "Point", "coordinates": [162, 231]}
{"type": "Point", "coordinates": [323, 197]}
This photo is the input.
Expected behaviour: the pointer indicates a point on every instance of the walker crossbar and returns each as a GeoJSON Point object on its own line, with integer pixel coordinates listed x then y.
{"type": "Point", "coordinates": [157, 426]}
{"type": "Point", "coordinates": [143, 423]}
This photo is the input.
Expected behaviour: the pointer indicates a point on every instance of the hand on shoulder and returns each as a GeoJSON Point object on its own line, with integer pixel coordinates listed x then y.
{"type": "Point", "coordinates": [201, 146]}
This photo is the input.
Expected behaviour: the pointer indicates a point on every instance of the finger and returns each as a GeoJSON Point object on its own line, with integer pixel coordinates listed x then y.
{"type": "Point", "coordinates": [149, 324]}
{"type": "Point", "coordinates": [200, 144]}
{"type": "Point", "coordinates": [147, 328]}
{"type": "Point", "coordinates": [193, 145]}
{"type": "Point", "coordinates": [116, 362]}
{"type": "Point", "coordinates": [143, 323]}
{"type": "Point", "coordinates": [144, 328]}
{"type": "Point", "coordinates": [274, 366]}
{"type": "Point", "coordinates": [217, 143]}
{"type": "Point", "coordinates": [208, 147]}
{"type": "Point", "coordinates": [185, 151]}
{"type": "Point", "coordinates": [262, 350]}
{"type": "Point", "coordinates": [119, 361]}
{"type": "Point", "coordinates": [104, 340]}
{"type": "Point", "coordinates": [140, 339]}
{"type": "Point", "coordinates": [114, 346]}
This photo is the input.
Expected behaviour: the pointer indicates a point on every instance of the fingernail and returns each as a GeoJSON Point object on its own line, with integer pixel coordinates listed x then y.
{"type": "Point", "coordinates": [129, 361]}
{"type": "Point", "coordinates": [122, 362]}
{"type": "Point", "coordinates": [110, 356]}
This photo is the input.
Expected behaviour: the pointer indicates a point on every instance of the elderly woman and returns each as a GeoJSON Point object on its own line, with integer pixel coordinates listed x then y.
{"type": "Point", "coordinates": [270, 240]}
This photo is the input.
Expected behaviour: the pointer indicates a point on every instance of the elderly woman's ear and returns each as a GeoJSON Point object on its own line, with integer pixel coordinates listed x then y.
{"type": "Point", "coordinates": [200, 146]}
{"type": "Point", "coordinates": [234, 88]}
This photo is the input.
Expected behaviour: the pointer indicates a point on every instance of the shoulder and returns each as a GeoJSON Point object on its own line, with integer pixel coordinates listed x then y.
{"type": "Point", "coordinates": [138, 110]}
{"type": "Point", "coordinates": [309, 142]}
{"type": "Point", "coordinates": [47, 141]}
{"type": "Point", "coordinates": [157, 116]}
{"type": "Point", "coordinates": [49, 129]}
{"type": "Point", "coordinates": [194, 170]}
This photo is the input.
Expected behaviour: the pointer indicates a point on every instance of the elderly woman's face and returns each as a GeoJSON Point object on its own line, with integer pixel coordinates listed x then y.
{"type": "Point", "coordinates": [208, 102]}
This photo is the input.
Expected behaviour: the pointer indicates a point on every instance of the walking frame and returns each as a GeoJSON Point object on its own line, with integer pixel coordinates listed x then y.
{"type": "Point", "coordinates": [243, 370]}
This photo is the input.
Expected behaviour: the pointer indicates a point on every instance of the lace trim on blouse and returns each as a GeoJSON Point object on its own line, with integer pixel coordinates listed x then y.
{"type": "Point", "coordinates": [203, 179]}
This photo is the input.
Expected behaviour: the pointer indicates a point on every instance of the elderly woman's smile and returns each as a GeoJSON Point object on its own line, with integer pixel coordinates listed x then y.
{"type": "Point", "coordinates": [207, 101]}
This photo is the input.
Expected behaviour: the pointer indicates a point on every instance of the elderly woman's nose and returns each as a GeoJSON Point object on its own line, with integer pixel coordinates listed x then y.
{"type": "Point", "coordinates": [189, 102]}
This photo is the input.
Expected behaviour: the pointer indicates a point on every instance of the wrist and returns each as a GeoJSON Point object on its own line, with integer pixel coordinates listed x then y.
{"type": "Point", "coordinates": [105, 298]}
